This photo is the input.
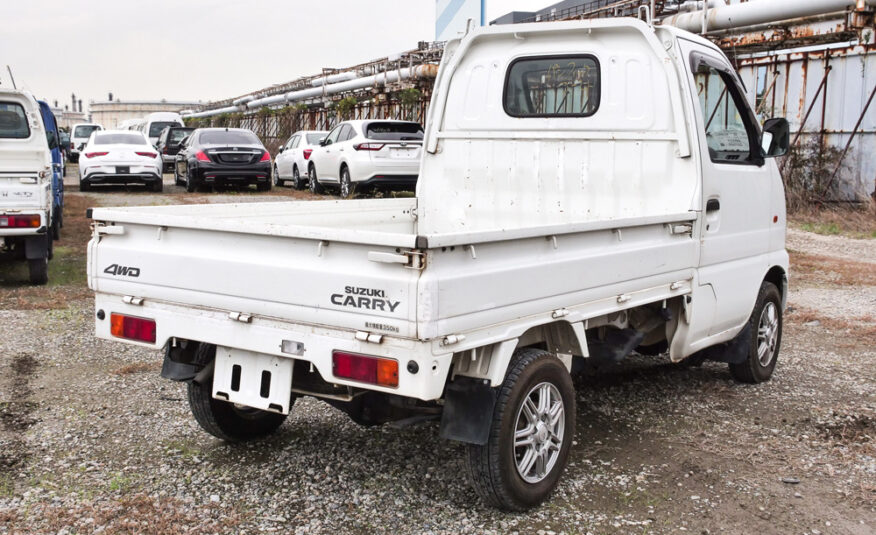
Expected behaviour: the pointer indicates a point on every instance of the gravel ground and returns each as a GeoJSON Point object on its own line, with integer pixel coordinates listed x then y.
{"type": "Point", "coordinates": [93, 441]}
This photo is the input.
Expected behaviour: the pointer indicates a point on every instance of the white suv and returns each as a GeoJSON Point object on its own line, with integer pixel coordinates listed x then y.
{"type": "Point", "coordinates": [291, 162]}
{"type": "Point", "coordinates": [367, 154]}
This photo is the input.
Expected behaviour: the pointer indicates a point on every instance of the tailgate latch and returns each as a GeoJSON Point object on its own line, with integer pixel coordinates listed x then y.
{"type": "Point", "coordinates": [240, 316]}
{"type": "Point", "coordinates": [102, 228]}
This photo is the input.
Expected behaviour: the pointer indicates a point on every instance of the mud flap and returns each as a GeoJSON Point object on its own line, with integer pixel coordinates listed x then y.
{"type": "Point", "coordinates": [468, 410]}
{"type": "Point", "coordinates": [734, 351]}
{"type": "Point", "coordinates": [36, 247]}
{"type": "Point", "coordinates": [179, 361]}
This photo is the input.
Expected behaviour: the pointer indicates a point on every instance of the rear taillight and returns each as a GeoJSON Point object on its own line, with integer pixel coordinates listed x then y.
{"type": "Point", "coordinates": [365, 369]}
{"type": "Point", "coordinates": [266, 157]}
{"type": "Point", "coordinates": [202, 156]}
{"type": "Point", "coordinates": [368, 146]}
{"type": "Point", "coordinates": [20, 221]}
{"type": "Point", "coordinates": [95, 154]}
{"type": "Point", "coordinates": [147, 154]}
{"type": "Point", "coordinates": [307, 153]}
{"type": "Point", "coordinates": [72, 146]}
{"type": "Point", "coordinates": [132, 328]}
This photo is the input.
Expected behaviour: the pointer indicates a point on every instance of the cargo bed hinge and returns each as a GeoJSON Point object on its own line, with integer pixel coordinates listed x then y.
{"type": "Point", "coordinates": [680, 228]}
{"type": "Point", "coordinates": [412, 259]}
{"type": "Point", "coordinates": [102, 229]}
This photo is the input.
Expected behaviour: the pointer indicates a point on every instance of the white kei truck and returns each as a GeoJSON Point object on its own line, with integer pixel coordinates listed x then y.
{"type": "Point", "coordinates": [26, 198]}
{"type": "Point", "coordinates": [588, 189]}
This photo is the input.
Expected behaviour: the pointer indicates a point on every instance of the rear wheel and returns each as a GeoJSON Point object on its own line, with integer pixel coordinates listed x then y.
{"type": "Point", "coordinates": [225, 420]}
{"type": "Point", "coordinates": [765, 326]}
{"type": "Point", "coordinates": [158, 186]}
{"type": "Point", "coordinates": [84, 185]}
{"type": "Point", "coordinates": [38, 270]}
{"type": "Point", "coordinates": [263, 186]}
{"type": "Point", "coordinates": [530, 434]}
{"type": "Point", "coordinates": [191, 185]}
{"type": "Point", "coordinates": [296, 178]}
{"type": "Point", "coordinates": [347, 187]}
{"type": "Point", "coordinates": [315, 187]}
{"type": "Point", "coordinates": [56, 225]}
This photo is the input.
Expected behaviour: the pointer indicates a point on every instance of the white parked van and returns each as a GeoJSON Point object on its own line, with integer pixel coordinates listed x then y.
{"type": "Point", "coordinates": [79, 135]}
{"type": "Point", "coordinates": [154, 123]}
{"type": "Point", "coordinates": [588, 189]}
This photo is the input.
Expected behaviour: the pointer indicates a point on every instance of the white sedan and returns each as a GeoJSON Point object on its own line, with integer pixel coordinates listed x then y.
{"type": "Point", "coordinates": [119, 157]}
{"type": "Point", "coordinates": [359, 155]}
{"type": "Point", "coordinates": [291, 162]}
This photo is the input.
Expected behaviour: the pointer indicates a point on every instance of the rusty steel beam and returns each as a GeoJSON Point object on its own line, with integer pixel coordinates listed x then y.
{"type": "Point", "coordinates": [808, 111]}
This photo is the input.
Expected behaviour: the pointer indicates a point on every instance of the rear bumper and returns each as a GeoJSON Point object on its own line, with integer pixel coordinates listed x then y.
{"type": "Point", "coordinates": [211, 174]}
{"type": "Point", "coordinates": [113, 178]}
{"type": "Point", "coordinates": [265, 336]}
{"type": "Point", "coordinates": [31, 231]}
{"type": "Point", "coordinates": [389, 181]}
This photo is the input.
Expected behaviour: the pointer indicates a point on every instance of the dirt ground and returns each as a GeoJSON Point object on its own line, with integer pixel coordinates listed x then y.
{"type": "Point", "coordinates": [93, 441]}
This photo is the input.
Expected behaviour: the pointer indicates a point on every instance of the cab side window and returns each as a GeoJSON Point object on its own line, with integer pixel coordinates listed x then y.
{"type": "Point", "coordinates": [730, 132]}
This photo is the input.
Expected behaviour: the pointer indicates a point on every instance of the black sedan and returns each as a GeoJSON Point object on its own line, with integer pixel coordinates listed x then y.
{"type": "Point", "coordinates": [212, 157]}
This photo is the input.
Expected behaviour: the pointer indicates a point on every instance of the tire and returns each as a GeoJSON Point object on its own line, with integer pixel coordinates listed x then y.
{"type": "Point", "coordinates": [56, 226]}
{"type": "Point", "coordinates": [84, 185]}
{"type": "Point", "coordinates": [276, 177]}
{"type": "Point", "coordinates": [765, 325]}
{"type": "Point", "coordinates": [176, 180]}
{"type": "Point", "coordinates": [191, 186]}
{"type": "Point", "coordinates": [494, 469]}
{"type": "Point", "coordinates": [222, 419]}
{"type": "Point", "coordinates": [296, 178]}
{"type": "Point", "coordinates": [652, 350]}
{"type": "Point", "coordinates": [347, 188]}
{"type": "Point", "coordinates": [158, 186]}
{"type": "Point", "coordinates": [263, 186]}
{"type": "Point", "coordinates": [38, 270]}
{"type": "Point", "coordinates": [315, 187]}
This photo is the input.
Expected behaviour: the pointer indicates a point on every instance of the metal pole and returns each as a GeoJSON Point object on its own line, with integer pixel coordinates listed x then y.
{"type": "Point", "coordinates": [808, 111]}
{"type": "Point", "coordinates": [848, 144]}
{"type": "Point", "coordinates": [8, 68]}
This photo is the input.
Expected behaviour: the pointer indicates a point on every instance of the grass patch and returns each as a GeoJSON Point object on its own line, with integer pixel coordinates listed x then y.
{"type": "Point", "coordinates": [862, 326]}
{"type": "Point", "coordinates": [857, 223]}
{"type": "Point", "coordinates": [821, 269]}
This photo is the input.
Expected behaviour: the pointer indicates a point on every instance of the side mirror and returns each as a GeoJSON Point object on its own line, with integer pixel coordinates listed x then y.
{"type": "Point", "coordinates": [776, 137]}
{"type": "Point", "coordinates": [280, 150]}
{"type": "Point", "coordinates": [322, 142]}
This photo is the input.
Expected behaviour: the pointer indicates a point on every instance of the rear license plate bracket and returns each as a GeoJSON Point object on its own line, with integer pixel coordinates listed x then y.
{"type": "Point", "coordinates": [253, 379]}
{"type": "Point", "coordinates": [123, 170]}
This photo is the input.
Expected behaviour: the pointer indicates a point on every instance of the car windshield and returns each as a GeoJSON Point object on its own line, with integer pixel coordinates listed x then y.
{"type": "Point", "coordinates": [156, 127]}
{"type": "Point", "coordinates": [313, 139]}
{"type": "Point", "coordinates": [394, 131]}
{"type": "Point", "coordinates": [177, 135]}
{"type": "Point", "coordinates": [119, 139]}
{"type": "Point", "coordinates": [13, 121]}
{"type": "Point", "coordinates": [83, 131]}
{"type": "Point", "coordinates": [229, 137]}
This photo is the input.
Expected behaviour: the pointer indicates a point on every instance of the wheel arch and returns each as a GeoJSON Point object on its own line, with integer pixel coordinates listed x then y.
{"type": "Point", "coordinates": [778, 276]}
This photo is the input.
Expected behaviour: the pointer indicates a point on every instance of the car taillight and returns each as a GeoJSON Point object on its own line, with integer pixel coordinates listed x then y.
{"type": "Point", "coordinates": [95, 154]}
{"type": "Point", "coordinates": [147, 154]}
{"type": "Point", "coordinates": [20, 221]}
{"type": "Point", "coordinates": [132, 328]}
{"type": "Point", "coordinates": [368, 146]}
{"type": "Point", "coordinates": [307, 153]}
{"type": "Point", "coordinates": [266, 157]}
{"type": "Point", "coordinates": [365, 369]}
{"type": "Point", "coordinates": [202, 156]}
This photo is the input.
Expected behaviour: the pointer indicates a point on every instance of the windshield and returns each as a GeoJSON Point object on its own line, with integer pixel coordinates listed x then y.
{"type": "Point", "coordinates": [177, 135]}
{"type": "Point", "coordinates": [313, 139]}
{"type": "Point", "coordinates": [13, 121]}
{"type": "Point", "coordinates": [394, 131]}
{"type": "Point", "coordinates": [119, 139]}
{"type": "Point", "coordinates": [84, 131]}
{"type": "Point", "coordinates": [229, 137]}
{"type": "Point", "coordinates": [156, 127]}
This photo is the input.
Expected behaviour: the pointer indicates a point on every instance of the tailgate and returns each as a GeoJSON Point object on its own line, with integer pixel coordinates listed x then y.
{"type": "Point", "coordinates": [23, 192]}
{"type": "Point", "coordinates": [303, 280]}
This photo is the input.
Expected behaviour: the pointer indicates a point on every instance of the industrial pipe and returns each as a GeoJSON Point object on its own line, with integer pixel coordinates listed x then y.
{"type": "Point", "coordinates": [208, 113]}
{"type": "Point", "coordinates": [758, 12]}
{"type": "Point", "coordinates": [333, 78]}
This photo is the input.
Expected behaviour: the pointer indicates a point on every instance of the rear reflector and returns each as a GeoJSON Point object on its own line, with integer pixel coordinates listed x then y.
{"type": "Point", "coordinates": [202, 156]}
{"type": "Point", "coordinates": [369, 146]}
{"type": "Point", "coordinates": [140, 329]}
{"type": "Point", "coordinates": [20, 221]}
{"type": "Point", "coordinates": [94, 154]}
{"type": "Point", "coordinates": [147, 154]}
{"type": "Point", "coordinates": [266, 157]}
{"type": "Point", "coordinates": [365, 369]}
{"type": "Point", "coordinates": [307, 153]}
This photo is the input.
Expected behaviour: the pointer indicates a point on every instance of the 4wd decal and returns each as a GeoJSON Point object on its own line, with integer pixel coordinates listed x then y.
{"type": "Point", "coordinates": [367, 298]}
{"type": "Point", "coordinates": [115, 269]}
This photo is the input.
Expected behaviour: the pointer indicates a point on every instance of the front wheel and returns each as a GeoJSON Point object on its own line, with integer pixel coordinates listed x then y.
{"type": "Point", "coordinates": [530, 435]}
{"type": "Point", "coordinates": [347, 187]}
{"type": "Point", "coordinates": [277, 181]}
{"type": "Point", "coordinates": [765, 325]}
{"type": "Point", "coordinates": [225, 420]}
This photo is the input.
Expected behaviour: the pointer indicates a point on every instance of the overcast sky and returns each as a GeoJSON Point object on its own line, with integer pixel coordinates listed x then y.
{"type": "Point", "coordinates": [202, 49]}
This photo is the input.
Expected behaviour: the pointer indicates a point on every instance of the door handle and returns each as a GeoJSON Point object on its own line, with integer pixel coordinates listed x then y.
{"type": "Point", "coordinates": [713, 205]}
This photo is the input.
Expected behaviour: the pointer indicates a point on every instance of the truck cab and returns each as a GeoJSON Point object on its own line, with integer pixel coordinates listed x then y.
{"type": "Point", "coordinates": [588, 189]}
{"type": "Point", "coordinates": [26, 176]}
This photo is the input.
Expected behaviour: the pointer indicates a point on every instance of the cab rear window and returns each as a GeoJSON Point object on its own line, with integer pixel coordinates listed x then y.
{"type": "Point", "coordinates": [13, 121]}
{"type": "Point", "coordinates": [552, 86]}
{"type": "Point", "coordinates": [394, 131]}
